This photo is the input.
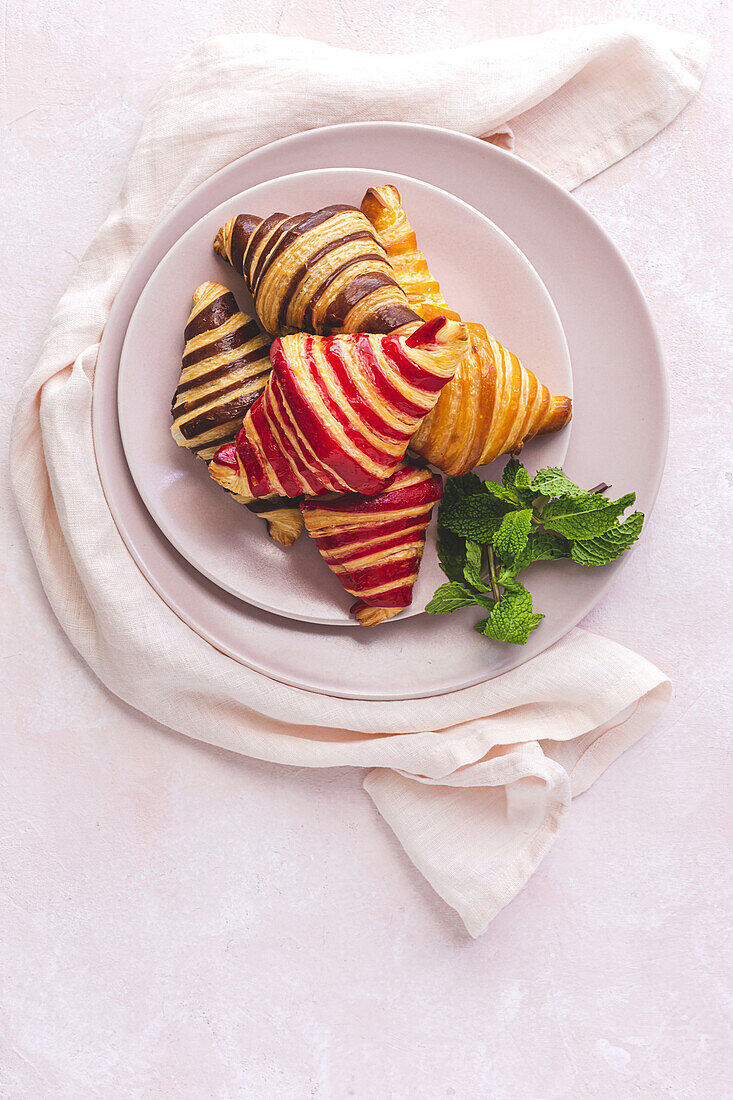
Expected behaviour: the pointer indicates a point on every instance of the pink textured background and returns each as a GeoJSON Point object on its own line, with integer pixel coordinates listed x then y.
{"type": "Point", "coordinates": [178, 922]}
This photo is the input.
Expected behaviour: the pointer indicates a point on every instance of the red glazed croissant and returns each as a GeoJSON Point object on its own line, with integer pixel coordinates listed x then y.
{"type": "Point", "coordinates": [374, 544]}
{"type": "Point", "coordinates": [337, 413]}
{"type": "Point", "coordinates": [322, 272]}
{"type": "Point", "coordinates": [226, 364]}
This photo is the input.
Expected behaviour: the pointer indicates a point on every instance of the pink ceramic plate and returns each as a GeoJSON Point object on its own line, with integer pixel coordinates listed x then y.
{"type": "Point", "coordinates": [482, 274]}
{"type": "Point", "coordinates": [619, 431]}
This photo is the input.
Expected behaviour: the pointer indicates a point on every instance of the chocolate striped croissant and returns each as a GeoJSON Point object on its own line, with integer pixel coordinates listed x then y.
{"type": "Point", "coordinates": [226, 364]}
{"type": "Point", "coordinates": [322, 272]}
{"type": "Point", "coordinates": [494, 404]}
{"type": "Point", "coordinates": [337, 413]}
{"type": "Point", "coordinates": [374, 544]}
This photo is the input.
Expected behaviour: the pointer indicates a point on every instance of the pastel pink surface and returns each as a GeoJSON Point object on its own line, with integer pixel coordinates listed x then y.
{"type": "Point", "coordinates": [618, 433]}
{"type": "Point", "coordinates": [481, 272]}
{"type": "Point", "coordinates": [158, 937]}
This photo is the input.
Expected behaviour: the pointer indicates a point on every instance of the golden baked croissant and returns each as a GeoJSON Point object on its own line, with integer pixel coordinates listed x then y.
{"type": "Point", "coordinates": [322, 272]}
{"type": "Point", "coordinates": [338, 412]}
{"type": "Point", "coordinates": [494, 404]}
{"type": "Point", "coordinates": [374, 544]}
{"type": "Point", "coordinates": [226, 364]}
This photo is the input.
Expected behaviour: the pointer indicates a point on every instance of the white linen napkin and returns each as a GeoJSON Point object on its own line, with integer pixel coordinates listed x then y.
{"type": "Point", "coordinates": [474, 784]}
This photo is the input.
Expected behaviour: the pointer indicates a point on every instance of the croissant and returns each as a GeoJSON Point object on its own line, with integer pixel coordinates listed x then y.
{"type": "Point", "coordinates": [338, 412]}
{"type": "Point", "coordinates": [374, 544]}
{"type": "Point", "coordinates": [226, 363]}
{"type": "Point", "coordinates": [322, 272]}
{"type": "Point", "coordinates": [494, 404]}
{"type": "Point", "coordinates": [282, 515]}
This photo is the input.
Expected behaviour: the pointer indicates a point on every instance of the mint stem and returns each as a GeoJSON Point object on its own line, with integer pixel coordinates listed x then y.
{"type": "Point", "coordinates": [492, 575]}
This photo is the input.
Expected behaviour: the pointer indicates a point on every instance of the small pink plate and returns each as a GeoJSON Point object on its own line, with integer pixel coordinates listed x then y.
{"type": "Point", "coordinates": [483, 275]}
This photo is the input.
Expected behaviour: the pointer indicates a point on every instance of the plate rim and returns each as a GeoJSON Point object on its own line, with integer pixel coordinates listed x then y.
{"type": "Point", "coordinates": [105, 460]}
{"type": "Point", "coordinates": [124, 412]}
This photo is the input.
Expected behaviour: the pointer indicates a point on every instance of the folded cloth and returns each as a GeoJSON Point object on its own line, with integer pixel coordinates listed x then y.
{"type": "Point", "coordinates": [474, 784]}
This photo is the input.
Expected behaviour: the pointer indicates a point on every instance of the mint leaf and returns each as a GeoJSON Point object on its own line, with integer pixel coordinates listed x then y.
{"type": "Point", "coordinates": [552, 482]}
{"type": "Point", "coordinates": [507, 496]}
{"type": "Point", "coordinates": [473, 517]}
{"type": "Point", "coordinates": [543, 546]}
{"type": "Point", "coordinates": [516, 488]}
{"type": "Point", "coordinates": [515, 475]}
{"type": "Point", "coordinates": [451, 554]}
{"type": "Point", "coordinates": [609, 546]}
{"type": "Point", "coordinates": [507, 578]}
{"type": "Point", "coordinates": [449, 597]}
{"type": "Point", "coordinates": [584, 517]}
{"type": "Point", "coordinates": [512, 535]}
{"type": "Point", "coordinates": [455, 488]}
{"type": "Point", "coordinates": [472, 568]}
{"type": "Point", "coordinates": [511, 620]}
{"type": "Point", "coordinates": [516, 478]}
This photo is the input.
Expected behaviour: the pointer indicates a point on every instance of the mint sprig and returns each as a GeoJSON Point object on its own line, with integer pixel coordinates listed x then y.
{"type": "Point", "coordinates": [489, 533]}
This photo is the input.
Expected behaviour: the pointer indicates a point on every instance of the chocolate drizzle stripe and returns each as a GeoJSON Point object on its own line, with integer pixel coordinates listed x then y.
{"type": "Point", "coordinates": [237, 339]}
{"type": "Point", "coordinates": [262, 507]}
{"type": "Point", "coordinates": [267, 248]}
{"type": "Point", "coordinates": [353, 293]}
{"type": "Point", "coordinates": [387, 318]}
{"type": "Point", "coordinates": [320, 291]}
{"type": "Point", "coordinates": [217, 416]}
{"type": "Point", "coordinates": [216, 395]}
{"type": "Point", "coordinates": [226, 368]}
{"type": "Point", "coordinates": [302, 224]}
{"type": "Point", "coordinates": [216, 313]}
{"type": "Point", "coordinates": [219, 441]}
{"type": "Point", "coordinates": [250, 385]}
{"type": "Point", "coordinates": [259, 236]}
{"type": "Point", "coordinates": [244, 225]}
{"type": "Point", "coordinates": [311, 261]}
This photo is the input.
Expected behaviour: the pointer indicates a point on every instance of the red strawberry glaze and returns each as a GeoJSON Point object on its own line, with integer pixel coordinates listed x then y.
{"type": "Point", "coordinates": [410, 371]}
{"type": "Point", "coordinates": [406, 497]}
{"type": "Point", "coordinates": [388, 531]}
{"type": "Point", "coordinates": [227, 456]}
{"type": "Point", "coordinates": [366, 446]}
{"type": "Point", "coordinates": [383, 385]}
{"type": "Point", "coordinates": [283, 428]}
{"type": "Point", "coordinates": [256, 475]}
{"type": "Point", "coordinates": [426, 333]}
{"type": "Point", "coordinates": [275, 457]}
{"type": "Point", "coordinates": [385, 573]}
{"type": "Point", "coordinates": [362, 408]}
{"type": "Point", "coordinates": [394, 597]}
{"type": "Point", "coordinates": [323, 443]}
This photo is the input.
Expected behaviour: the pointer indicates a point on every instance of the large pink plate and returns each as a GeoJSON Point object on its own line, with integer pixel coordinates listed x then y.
{"type": "Point", "coordinates": [482, 274]}
{"type": "Point", "coordinates": [619, 430]}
